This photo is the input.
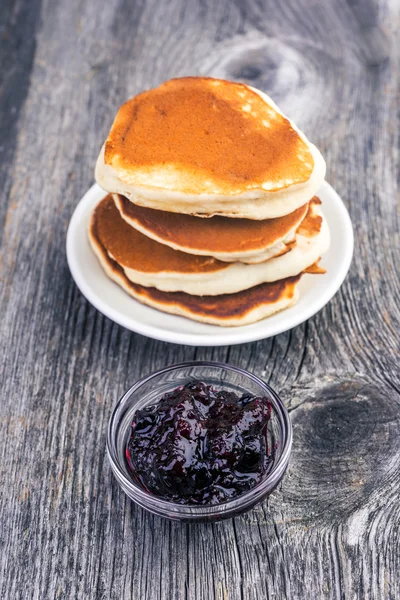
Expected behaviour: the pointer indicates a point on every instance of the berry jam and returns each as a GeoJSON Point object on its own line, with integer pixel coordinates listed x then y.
{"type": "Point", "coordinates": [198, 445]}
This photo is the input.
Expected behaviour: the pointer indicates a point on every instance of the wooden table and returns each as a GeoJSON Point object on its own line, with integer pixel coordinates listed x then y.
{"type": "Point", "coordinates": [66, 529]}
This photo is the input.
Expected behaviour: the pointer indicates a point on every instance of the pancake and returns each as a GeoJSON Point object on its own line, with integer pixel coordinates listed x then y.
{"type": "Point", "coordinates": [242, 308]}
{"type": "Point", "coordinates": [148, 263]}
{"type": "Point", "coordinates": [242, 240]}
{"type": "Point", "coordinates": [205, 146]}
{"type": "Point", "coordinates": [137, 252]}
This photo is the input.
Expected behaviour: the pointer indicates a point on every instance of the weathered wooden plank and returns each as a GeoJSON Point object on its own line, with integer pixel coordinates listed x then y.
{"type": "Point", "coordinates": [67, 531]}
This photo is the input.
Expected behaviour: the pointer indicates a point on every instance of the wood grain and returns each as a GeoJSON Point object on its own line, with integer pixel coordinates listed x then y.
{"type": "Point", "coordinates": [66, 529]}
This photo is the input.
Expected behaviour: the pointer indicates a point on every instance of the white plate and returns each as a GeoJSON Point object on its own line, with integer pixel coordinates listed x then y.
{"type": "Point", "coordinates": [112, 301]}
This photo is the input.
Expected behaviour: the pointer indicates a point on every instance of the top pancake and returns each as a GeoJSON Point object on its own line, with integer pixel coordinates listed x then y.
{"type": "Point", "coordinates": [225, 239]}
{"type": "Point", "coordinates": [207, 146]}
{"type": "Point", "coordinates": [186, 125]}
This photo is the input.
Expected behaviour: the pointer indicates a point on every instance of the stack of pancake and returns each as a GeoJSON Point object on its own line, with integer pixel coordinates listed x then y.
{"type": "Point", "coordinates": [211, 212]}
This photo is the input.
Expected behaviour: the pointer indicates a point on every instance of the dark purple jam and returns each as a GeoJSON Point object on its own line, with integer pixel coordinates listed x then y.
{"type": "Point", "coordinates": [198, 445]}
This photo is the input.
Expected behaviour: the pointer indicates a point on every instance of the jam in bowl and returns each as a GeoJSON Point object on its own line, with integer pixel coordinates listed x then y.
{"type": "Point", "coordinates": [199, 441]}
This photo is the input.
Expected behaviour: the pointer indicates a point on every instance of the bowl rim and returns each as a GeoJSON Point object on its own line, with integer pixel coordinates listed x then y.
{"type": "Point", "coordinates": [250, 497]}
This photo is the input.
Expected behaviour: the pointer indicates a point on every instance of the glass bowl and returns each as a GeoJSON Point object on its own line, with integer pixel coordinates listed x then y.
{"type": "Point", "coordinates": [149, 390]}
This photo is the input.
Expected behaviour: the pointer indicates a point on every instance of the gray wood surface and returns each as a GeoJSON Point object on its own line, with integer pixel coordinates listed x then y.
{"type": "Point", "coordinates": [66, 530]}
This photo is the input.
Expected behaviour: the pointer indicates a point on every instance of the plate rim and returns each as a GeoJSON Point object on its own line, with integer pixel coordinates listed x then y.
{"type": "Point", "coordinates": [235, 335]}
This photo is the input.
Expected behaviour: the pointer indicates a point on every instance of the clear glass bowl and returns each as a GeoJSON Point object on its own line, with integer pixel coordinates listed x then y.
{"type": "Point", "coordinates": [150, 389]}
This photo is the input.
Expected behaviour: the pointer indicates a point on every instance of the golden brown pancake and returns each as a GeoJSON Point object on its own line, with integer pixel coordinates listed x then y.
{"type": "Point", "coordinates": [223, 238]}
{"type": "Point", "coordinates": [134, 250]}
{"type": "Point", "coordinates": [202, 146]}
{"type": "Point", "coordinates": [148, 263]}
{"type": "Point", "coordinates": [213, 129]}
{"type": "Point", "coordinates": [226, 310]}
